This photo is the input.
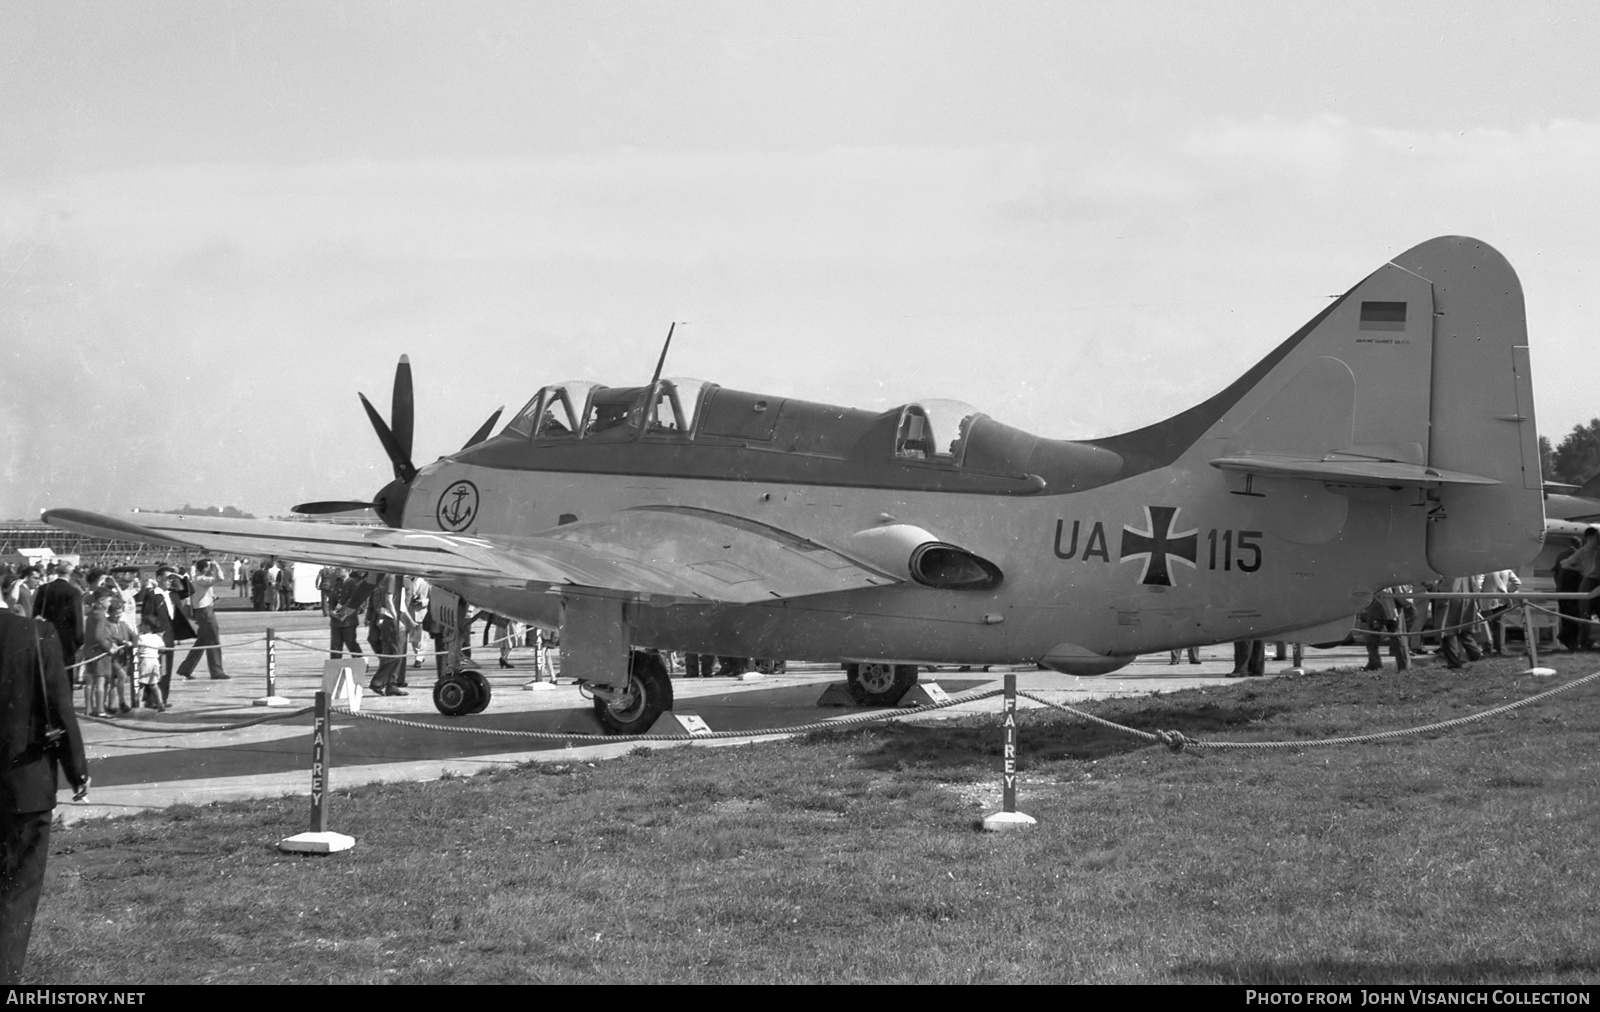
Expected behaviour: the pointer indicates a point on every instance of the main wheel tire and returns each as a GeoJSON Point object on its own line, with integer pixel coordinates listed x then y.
{"type": "Point", "coordinates": [480, 686]}
{"type": "Point", "coordinates": [455, 696]}
{"type": "Point", "coordinates": [880, 684]}
{"type": "Point", "coordinates": [647, 697]}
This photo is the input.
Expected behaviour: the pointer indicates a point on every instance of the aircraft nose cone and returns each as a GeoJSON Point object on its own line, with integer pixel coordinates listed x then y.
{"type": "Point", "coordinates": [390, 502]}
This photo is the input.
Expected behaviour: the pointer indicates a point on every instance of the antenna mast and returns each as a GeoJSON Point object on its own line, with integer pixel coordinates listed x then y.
{"type": "Point", "coordinates": [663, 359]}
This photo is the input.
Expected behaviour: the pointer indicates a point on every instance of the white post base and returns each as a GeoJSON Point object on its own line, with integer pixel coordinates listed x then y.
{"type": "Point", "coordinates": [317, 843]}
{"type": "Point", "coordinates": [1540, 672]}
{"type": "Point", "coordinates": [272, 701]}
{"type": "Point", "coordinates": [1001, 822]}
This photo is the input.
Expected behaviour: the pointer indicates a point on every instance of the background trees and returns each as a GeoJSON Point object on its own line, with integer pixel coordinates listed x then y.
{"type": "Point", "coordinates": [1576, 458]}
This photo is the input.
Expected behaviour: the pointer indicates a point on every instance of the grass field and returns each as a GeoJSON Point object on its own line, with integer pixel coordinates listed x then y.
{"type": "Point", "coordinates": [854, 856]}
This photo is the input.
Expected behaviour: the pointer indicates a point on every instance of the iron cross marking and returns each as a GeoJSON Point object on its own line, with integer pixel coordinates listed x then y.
{"type": "Point", "coordinates": [1159, 545]}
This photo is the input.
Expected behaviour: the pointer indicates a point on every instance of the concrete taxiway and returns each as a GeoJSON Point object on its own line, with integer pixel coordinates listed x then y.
{"type": "Point", "coordinates": [194, 753]}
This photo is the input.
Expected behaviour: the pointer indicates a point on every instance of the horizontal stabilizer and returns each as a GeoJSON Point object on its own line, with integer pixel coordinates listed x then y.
{"type": "Point", "coordinates": [1347, 471]}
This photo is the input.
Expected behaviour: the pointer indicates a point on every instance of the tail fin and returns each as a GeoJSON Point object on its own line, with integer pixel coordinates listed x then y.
{"type": "Point", "coordinates": [1482, 409]}
{"type": "Point", "coordinates": [1418, 376]}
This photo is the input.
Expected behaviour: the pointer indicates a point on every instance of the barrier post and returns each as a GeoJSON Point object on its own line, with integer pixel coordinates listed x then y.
{"type": "Point", "coordinates": [271, 698]}
{"type": "Point", "coordinates": [541, 662]}
{"type": "Point", "coordinates": [1531, 640]}
{"type": "Point", "coordinates": [1008, 817]}
{"type": "Point", "coordinates": [319, 766]}
{"type": "Point", "coordinates": [320, 840]}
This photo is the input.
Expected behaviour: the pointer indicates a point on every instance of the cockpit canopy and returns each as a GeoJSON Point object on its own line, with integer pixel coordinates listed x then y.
{"type": "Point", "coordinates": [933, 430]}
{"type": "Point", "coordinates": [579, 407]}
{"type": "Point", "coordinates": [690, 428]}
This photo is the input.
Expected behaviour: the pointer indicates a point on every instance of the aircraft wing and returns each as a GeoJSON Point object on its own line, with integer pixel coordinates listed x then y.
{"type": "Point", "coordinates": [665, 551]}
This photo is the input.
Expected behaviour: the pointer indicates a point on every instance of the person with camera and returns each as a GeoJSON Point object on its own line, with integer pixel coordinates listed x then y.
{"type": "Point", "coordinates": [202, 602]}
{"type": "Point", "coordinates": [347, 595]}
{"type": "Point", "coordinates": [38, 734]}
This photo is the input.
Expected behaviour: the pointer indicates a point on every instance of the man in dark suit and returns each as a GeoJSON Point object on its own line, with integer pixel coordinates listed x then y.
{"type": "Point", "coordinates": [61, 604]}
{"type": "Point", "coordinates": [34, 693]}
{"type": "Point", "coordinates": [162, 606]}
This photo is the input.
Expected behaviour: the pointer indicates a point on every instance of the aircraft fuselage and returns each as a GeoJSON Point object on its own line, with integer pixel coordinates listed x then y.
{"type": "Point", "coordinates": [1117, 558]}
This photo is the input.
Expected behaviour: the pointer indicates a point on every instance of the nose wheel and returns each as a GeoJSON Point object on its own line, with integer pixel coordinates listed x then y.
{"type": "Point", "coordinates": [459, 693]}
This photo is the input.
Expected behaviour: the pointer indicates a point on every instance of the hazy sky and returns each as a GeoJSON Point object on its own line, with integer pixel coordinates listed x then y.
{"type": "Point", "coordinates": [218, 221]}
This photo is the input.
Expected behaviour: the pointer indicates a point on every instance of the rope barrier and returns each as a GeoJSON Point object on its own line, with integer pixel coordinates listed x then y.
{"type": "Point", "coordinates": [821, 725]}
{"type": "Point", "coordinates": [1177, 740]}
{"type": "Point", "coordinates": [1565, 618]}
{"type": "Point", "coordinates": [1429, 630]}
{"type": "Point", "coordinates": [420, 653]}
{"type": "Point", "coordinates": [183, 647]}
{"type": "Point", "coordinates": [162, 729]}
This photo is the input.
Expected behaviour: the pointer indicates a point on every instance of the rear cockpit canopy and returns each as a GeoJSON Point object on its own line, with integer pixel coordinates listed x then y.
{"type": "Point", "coordinates": [934, 430]}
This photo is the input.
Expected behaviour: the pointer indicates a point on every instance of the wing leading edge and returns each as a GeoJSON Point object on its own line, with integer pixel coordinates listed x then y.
{"type": "Point", "coordinates": [673, 552]}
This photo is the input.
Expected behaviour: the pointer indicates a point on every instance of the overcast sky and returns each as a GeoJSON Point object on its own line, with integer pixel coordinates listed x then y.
{"type": "Point", "coordinates": [218, 221]}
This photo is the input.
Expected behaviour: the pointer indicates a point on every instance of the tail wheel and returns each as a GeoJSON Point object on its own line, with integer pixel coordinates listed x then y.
{"type": "Point", "coordinates": [647, 696]}
{"type": "Point", "coordinates": [455, 696]}
{"type": "Point", "coordinates": [880, 684]}
{"type": "Point", "coordinates": [480, 686]}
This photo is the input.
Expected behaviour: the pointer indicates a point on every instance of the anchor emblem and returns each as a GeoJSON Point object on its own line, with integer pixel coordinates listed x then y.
{"type": "Point", "coordinates": [458, 506]}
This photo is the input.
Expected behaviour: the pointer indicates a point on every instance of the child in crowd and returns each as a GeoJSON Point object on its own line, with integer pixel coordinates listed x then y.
{"type": "Point", "coordinates": [100, 645]}
{"type": "Point", "coordinates": [150, 647]}
{"type": "Point", "coordinates": [123, 630]}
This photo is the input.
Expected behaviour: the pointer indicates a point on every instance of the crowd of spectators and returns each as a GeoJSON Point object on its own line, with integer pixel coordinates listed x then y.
{"type": "Point", "coordinates": [119, 628]}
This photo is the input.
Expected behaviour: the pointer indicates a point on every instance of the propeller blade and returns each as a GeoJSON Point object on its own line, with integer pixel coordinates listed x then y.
{"type": "Point", "coordinates": [330, 506]}
{"type": "Point", "coordinates": [403, 468]}
{"type": "Point", "coordinates": [403, 407]}
{"type": "Point", "coordinates": [484, 429]}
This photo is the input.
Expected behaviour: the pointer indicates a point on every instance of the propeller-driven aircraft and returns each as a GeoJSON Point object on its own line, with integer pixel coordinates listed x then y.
{"type": "Point", "coordinates": [1390, 439]}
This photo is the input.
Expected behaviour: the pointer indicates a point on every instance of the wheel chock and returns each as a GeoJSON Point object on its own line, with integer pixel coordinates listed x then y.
{"type": "Point", "coordinates": [837, 694]}
{"type": "Point", "coordinates": [680, 723]}
{"type": "Point", "coordinates": [924, 694]}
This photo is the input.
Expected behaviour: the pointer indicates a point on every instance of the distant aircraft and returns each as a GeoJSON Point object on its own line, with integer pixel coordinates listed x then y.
{"type": "Point", "coordinates": [1577, 503]}
{"type": "Point", "coordinates": [1390, 439]}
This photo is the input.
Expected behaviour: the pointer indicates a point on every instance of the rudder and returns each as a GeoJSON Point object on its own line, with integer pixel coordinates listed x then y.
{"type": "Point", "coordinates": [1481, 416]}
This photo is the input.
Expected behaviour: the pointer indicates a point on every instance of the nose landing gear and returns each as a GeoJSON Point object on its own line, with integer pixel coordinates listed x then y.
{"type": "Point", "coordinates": [459, 693]}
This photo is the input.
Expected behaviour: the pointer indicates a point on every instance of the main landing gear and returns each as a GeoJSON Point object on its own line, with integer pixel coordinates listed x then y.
{"type": "Point", "coordinates": [648, 694]}
{"type": "Point", "coordinates": [880, 684]}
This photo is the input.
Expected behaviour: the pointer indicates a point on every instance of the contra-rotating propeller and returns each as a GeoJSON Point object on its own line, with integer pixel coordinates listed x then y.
{"type": "Point", "coordinates": [390, 501]}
